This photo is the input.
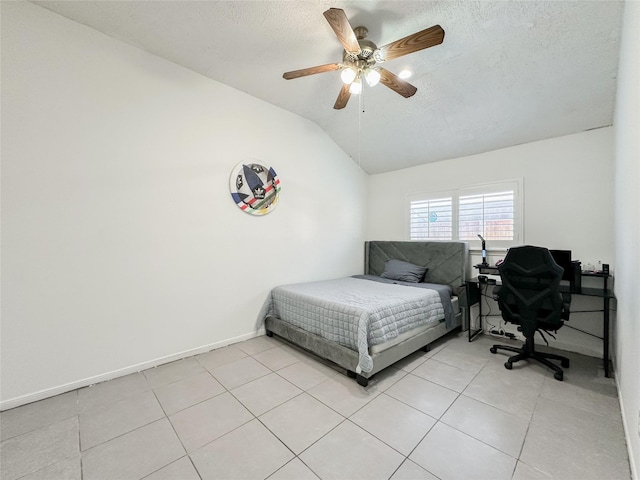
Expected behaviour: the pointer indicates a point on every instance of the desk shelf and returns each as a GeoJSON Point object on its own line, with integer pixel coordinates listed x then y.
{"type": "Point", "coordinates": [487, 269]}
{"type": "Point", "coordinates": [589, 292]}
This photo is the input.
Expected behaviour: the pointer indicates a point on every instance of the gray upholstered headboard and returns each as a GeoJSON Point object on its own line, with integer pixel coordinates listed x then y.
{"type": "Point", "coordinates": [448, 262]}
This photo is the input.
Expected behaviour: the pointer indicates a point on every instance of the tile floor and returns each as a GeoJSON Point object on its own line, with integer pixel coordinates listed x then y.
{"type": "Point", "coordinates": [262, 409]}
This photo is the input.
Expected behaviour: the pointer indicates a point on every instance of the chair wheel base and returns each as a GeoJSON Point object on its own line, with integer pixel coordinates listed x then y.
{"type": "Point", "coordinates": [528, 352]}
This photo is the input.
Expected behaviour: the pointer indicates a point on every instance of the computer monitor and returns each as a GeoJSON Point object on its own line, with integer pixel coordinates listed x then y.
{"type": "Point", "coordinates": [563, 258]}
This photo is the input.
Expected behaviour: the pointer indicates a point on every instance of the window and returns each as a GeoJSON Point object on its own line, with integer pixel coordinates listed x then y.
{"type": "Point", "coordinates": [491, 210]}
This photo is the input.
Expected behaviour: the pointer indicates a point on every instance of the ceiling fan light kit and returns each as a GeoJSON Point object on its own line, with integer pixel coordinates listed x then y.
{"type": "Point", "coordinates": [361, 58]}
{"type": "Point", "coordinates": [348, 75]}
{"type": "Point", "coordinates": [355, 87]}
{"type": "Point", "coordinates": [372, 76]}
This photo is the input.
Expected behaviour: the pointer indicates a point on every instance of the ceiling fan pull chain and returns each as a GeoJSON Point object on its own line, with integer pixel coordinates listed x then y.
{"type": "Point", "coordinates": [362, 100]}
{"type": "Point", "coordinates": [360, 111]}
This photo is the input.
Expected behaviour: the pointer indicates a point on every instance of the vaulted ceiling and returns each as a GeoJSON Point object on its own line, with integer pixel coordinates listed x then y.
{"type": "Point", "coordinates": [508, 72]}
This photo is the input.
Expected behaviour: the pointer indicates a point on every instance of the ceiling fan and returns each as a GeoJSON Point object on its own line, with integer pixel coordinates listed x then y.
{"type": "Point", "coordinates": [361, 57]}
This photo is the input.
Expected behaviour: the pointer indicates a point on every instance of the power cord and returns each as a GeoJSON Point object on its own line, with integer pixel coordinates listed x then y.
{"type": "Point", "coordinates": [494, 331]}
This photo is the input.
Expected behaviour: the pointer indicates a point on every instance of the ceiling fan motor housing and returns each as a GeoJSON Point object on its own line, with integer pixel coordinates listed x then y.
{"type": "Point", "coordinates": [367, 49]}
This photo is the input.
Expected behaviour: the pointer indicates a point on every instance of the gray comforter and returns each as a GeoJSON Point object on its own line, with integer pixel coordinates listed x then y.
{"type": "Point", "coordinates": [357, 312]}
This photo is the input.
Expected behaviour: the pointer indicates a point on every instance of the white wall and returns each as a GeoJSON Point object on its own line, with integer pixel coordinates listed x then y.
{"type": "Point", "coordinates": [568, 191]}
{"type": "Point", "coordinates": [627, 230]}
{"type": "Point", "coordinates": [121, 245]}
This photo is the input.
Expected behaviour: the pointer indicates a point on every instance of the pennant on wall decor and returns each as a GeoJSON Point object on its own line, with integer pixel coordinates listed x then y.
{"type": "Point", "coordinates": [254, 188]}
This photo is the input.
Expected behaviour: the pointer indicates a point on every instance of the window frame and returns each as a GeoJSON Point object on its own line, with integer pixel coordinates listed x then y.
{"type": "Point", "coordinates": [515, 185]}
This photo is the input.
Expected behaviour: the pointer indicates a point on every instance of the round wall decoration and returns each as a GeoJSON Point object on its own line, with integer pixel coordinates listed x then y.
{"type": "Point", "coordinates": [254, 188]}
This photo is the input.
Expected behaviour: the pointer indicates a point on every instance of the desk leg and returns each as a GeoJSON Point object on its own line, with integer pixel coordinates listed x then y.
{"type": "Point", "coordinates": [605, 336]}
{"type": "Point", "coordinates": [473, 334]}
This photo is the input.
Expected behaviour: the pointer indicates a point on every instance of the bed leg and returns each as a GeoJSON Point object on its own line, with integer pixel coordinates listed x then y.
{"type": "Point", "coordinates": [269, 333]}
{"type": "Point", "coordinates": [363, 381]}
{"type": "Point", "coordinates": [426, 348]}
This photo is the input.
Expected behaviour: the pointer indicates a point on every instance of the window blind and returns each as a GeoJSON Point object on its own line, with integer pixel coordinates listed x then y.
{"type": "Point", "coordinates": [490, 215]}
{"type": "Point", "coordinates": [431, 219]}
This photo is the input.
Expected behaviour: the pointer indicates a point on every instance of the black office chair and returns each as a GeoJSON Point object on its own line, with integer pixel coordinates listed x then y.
{"type": "Point", "coordinates": [530, 297]}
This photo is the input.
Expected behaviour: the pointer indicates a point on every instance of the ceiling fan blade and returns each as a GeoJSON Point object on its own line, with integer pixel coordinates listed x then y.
{"type": "Point", "coordinates": [343, 97]}
{"type": "Point", "coordinates": [396, 84]}
{"type": "Point", "coordinates": [418, 41]}
{"type": "Point", "coordinates": [342, 28]}
{"type": "Point", "coordinates": [311, 71]}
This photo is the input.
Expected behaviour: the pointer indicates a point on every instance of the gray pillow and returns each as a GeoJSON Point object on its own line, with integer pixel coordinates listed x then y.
{"type": "Point", "coordinates": [403, 271]}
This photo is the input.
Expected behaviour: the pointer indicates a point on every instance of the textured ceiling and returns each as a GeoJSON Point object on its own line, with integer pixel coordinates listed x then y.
{"type": "Point", "coordinates": [507, 72]}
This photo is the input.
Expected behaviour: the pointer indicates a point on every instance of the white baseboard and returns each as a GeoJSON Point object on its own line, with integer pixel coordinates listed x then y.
{"type": "Point", "coordinates": [625, 422]}
{"type": "Point", "coordinates": [52, 392]}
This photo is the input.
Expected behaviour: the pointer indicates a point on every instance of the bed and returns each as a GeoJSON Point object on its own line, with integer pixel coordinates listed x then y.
{"type": "Point", "coordinates": [368, 322]}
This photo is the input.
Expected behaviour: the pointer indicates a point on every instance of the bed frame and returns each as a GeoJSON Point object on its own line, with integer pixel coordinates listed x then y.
{"type": "Point", "coordinates": [448, 264]}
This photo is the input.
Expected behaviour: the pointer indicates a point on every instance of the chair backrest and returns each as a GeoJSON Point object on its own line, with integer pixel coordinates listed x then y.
{"type": "Point", "coordinates": [530, 292]}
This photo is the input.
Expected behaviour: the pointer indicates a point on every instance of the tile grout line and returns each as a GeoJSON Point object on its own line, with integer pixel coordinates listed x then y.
{"type": "Point", "coordinates": [488, 364]}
